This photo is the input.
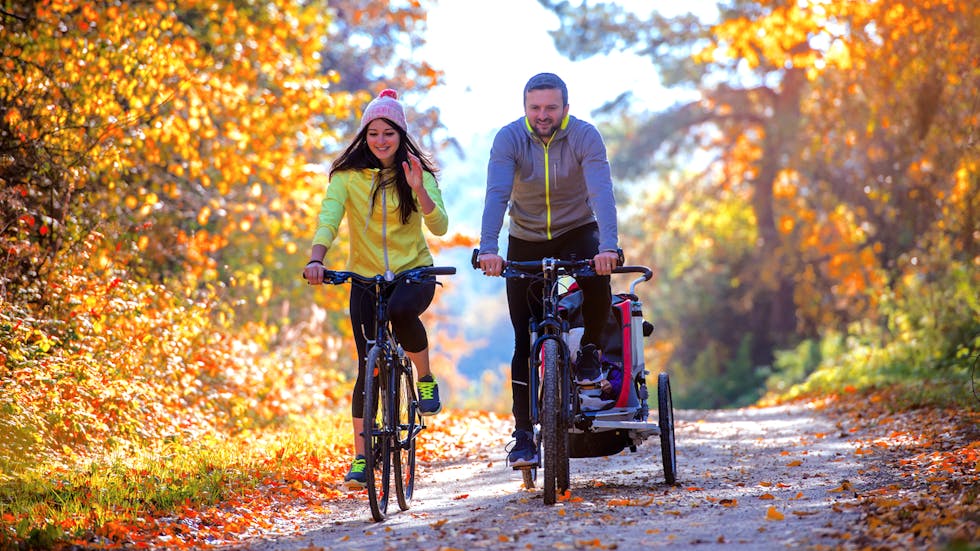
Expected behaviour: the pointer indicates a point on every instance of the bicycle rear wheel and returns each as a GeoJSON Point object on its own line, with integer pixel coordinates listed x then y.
{"type": "Point", "coordinates": [550, 417]}
{"type": "Point", "coordinates": [409, 423]}
{"type": "Point", "coordinates": [666, 417]}
{"type": "Point", "coordinates": [377, 441]}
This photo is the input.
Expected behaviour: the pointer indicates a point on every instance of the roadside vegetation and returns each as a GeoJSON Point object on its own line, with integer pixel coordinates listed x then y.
{"type": "Point", "coordinates": [166, 379]}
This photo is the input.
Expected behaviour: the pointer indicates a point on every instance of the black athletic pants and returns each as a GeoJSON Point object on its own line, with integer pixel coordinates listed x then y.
{"type": "Point", "coordinates": [524, 302]}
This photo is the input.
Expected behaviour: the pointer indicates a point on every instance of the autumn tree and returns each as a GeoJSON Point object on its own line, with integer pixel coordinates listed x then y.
{"type": "Point", "coordinates": [161, 166]}
{"type": "Point", "coordinates": [844, 127]}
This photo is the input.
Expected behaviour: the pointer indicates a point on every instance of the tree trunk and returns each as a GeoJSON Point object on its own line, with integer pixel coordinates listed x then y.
{"type": "Point", "coordinates": [774, 316]}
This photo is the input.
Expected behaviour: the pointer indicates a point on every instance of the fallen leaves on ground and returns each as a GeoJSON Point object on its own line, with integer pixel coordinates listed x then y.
{"type": "Point", "coordinates": [927, 460]}
{"type": "Point", "coordinates": [923, 463]}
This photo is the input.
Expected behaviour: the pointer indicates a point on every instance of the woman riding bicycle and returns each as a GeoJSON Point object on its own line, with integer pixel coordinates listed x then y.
{"type": "Point", "coordinates": [387, 188]}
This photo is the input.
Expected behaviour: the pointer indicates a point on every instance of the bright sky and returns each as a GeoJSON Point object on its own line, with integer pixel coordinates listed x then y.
{"type": "Point", "coordinates": [488, 50]}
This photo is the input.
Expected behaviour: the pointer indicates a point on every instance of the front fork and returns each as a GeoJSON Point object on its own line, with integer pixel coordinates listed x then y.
{"type": "Point", "coordinates": [535, 372]}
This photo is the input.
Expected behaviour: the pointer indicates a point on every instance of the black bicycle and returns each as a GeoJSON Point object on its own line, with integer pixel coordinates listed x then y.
{"type": "Point", "coordinates": [392, 419]}
{"type": "Point", "coordinates": [564, 428]}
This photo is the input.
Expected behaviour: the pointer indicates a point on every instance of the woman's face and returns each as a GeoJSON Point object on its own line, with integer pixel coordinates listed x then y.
{"type": "Point", "coordinates": [383, 141]}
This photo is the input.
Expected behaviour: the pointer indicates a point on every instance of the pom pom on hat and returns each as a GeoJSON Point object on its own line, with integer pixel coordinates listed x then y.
{"type": "Point", "coordinates": [387, 106]}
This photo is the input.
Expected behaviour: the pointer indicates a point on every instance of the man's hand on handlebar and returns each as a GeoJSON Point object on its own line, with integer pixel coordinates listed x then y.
{"type": "Point", "coordinates": [604, 262]}
{"type": "Point", "coordinates": [491, 264]}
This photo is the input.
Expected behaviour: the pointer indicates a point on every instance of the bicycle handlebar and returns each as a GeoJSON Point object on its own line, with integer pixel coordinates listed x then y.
{"type": "Point", "coordinates": [514, 268]}
{"type": "Point", "coordinates": [412, 275]}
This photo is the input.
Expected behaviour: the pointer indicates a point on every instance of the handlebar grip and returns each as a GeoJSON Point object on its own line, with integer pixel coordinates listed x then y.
{"type": "Point", "coordinates": [475, 259]}
{"type": "Point", "coordinates": [647, 273]}
{"type": "Point", "coordinates": [442, 270]}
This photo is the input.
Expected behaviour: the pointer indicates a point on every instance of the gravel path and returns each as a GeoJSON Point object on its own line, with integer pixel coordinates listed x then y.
{"type": "Point", "coordinates": [760, 478]}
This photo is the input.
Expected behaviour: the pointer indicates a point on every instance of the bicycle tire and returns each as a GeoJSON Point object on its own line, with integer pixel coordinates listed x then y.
{"type": "Point", "coordinates": [377, 441]}
{"type": "Point", "coordinates": [408, 422]}
{"type": "Point", "coordinates": [668, 448]}
{"type": "Point", "coordinates": [550, 416]}
{"type": "Point", "coordinates": [562, 471]}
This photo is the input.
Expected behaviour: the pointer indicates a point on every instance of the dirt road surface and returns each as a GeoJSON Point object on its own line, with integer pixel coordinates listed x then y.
{"type": "Point", "coordinates": [767, 478]}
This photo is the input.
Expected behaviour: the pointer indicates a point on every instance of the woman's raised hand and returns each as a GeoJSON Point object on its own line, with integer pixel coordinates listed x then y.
{"type": "Point", "coordinates": [413, 172]}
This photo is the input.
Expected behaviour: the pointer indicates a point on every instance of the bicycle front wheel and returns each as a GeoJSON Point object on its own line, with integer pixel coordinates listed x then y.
{"type": "Point", "coordinates": [377, 441]}
{"type": "Point", "coordinates": [408, 423]}
{"type": "Point", "coordinates": [550, 418]}
{"type": "Point", "coordinates": [562, 471]}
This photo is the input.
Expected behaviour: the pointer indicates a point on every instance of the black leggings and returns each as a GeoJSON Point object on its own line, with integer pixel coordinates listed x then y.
{"type": "Point", "coordinates": [406, 303]}
{"type": "Point", "coordinates": [524, 302]}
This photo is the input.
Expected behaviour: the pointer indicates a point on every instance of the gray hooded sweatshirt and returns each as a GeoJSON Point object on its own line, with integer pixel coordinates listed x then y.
{"type": "Point", "coordinates": [551, 189]}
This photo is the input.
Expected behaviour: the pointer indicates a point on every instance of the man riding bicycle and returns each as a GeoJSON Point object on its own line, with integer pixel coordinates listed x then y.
{"type": "Point", "coordinates": [552, 170]}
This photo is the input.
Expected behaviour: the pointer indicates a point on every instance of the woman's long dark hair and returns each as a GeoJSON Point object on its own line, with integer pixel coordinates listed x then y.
{"type": "Point", "coordinates": [358, 156]}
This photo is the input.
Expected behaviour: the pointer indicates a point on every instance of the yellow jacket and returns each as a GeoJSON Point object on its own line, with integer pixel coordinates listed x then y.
{"type": "Point", "coordinates": [350, 192]}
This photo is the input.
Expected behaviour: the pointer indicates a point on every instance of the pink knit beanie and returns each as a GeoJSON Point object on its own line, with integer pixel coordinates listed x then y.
{"type": "Point", "coordinates": [385, 105]}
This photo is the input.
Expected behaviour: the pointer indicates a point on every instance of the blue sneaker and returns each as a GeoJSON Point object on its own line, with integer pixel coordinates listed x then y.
{"type": "Point", "coordinates": [429, 403]}
{"type": "Point", "coordinates": [356, 479]}
{"type": "Point", "coordinates": [522, 452]}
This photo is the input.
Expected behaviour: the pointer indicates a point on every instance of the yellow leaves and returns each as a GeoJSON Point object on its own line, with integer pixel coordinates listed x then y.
{"type": "Point", "coordinates": [204, 215]}
{"type": "Point", "coordinates": [778, 38]}
{"type": "Point", "coordinates": [13, 116]}
{"type": "Point", "coordinates": [773, 514]}
{"type": "Point", "coordinates": [784, 188]}
{"type": "Point", "coordinates": [786, 224]}
{"type": "Point", "coordinates": [839, 56]}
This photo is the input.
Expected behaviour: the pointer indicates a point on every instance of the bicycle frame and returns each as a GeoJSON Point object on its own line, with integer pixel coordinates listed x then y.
{"type": "Point", "coordinates": [388, 378]}
{"type": "Point", "coordinates": [556, 410]}
{"type": "Point", "coordinates": [554, 407]}
{"type": "Point", "coordinates": [550, 327]}
{"type": "Point", "coordinates": [549, 375]}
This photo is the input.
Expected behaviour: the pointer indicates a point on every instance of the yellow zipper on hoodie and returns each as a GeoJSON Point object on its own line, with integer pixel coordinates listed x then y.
{"type": "Point", "coordinates": [547, 170]}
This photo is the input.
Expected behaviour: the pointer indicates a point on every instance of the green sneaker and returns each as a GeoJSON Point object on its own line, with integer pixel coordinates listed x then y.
{"type": "Point", "coordinates": [429, 403]}
{"type": "Point", "coordinates": [356, 479]}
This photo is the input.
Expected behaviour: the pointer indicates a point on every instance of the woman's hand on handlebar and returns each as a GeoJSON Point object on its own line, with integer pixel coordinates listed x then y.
{"type": "Point", "coordinates": [491, 264]}
{"type": "Point", "coordinates": [313, 272]}
{"type": "Point", "coordinates": [604, 262]}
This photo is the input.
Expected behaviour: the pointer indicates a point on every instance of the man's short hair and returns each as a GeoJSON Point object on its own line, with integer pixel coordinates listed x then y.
{"type": "Point", "coordinates": [547, 81]}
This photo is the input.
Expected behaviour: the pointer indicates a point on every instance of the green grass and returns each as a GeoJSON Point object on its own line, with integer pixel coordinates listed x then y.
{"type": "Point", "coordinates": [75, 498]}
